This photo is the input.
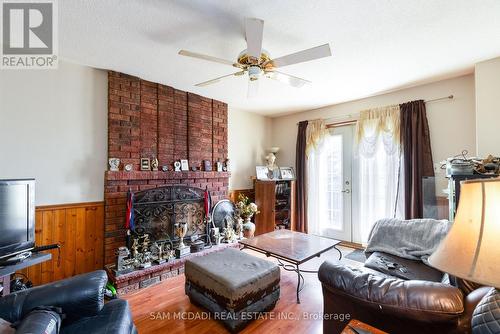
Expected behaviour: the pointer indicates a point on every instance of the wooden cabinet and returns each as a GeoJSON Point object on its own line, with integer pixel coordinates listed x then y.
{"type": "Point", "coordinates": [276, 203]}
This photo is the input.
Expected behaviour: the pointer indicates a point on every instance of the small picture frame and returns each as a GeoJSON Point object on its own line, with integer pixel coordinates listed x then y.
{"type": "Point", "coordinates": [287, 173]}
{"type": "Point", "coordinates": [207, 165]}
{"type": "Point", "coordinates": [184, 165]}
{"type": "Point", "coordinates": [220, 166]}
{"type": "Point", "coordinates": [262, 173]}
{"type": "Point", "coordinates": [145, 164]}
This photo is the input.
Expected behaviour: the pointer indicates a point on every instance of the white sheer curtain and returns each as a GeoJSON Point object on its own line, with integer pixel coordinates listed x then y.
{"type": "Point", "coordinates": [317, 137]}
{"type": "Point", "coordinates": [379, 157]}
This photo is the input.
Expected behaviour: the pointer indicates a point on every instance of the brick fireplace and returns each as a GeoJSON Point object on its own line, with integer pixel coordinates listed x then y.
{"type": "Point", "coordinates": [150, 120]}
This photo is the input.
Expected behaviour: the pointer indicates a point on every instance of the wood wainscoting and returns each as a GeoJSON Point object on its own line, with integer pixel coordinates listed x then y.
{"type": "Point", "coordinates": [79, 229]}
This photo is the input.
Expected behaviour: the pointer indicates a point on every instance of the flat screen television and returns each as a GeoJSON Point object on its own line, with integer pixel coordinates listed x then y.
{"type": "Point", "coordinates": [17, 216]}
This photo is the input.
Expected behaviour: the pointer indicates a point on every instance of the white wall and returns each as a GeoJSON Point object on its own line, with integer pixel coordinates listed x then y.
{"type": "Point", "coordinates": [487, 77]}
{"type": "Point", "coordinates": [248, 138]}
{"type": "Point", "coordinates": [53, 127]}
{"type": "Point", "coordinates": [451, 122]}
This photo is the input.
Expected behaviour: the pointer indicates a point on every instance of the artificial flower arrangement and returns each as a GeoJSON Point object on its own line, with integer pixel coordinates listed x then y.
{"type": "Point", "coordinates": [246, 208]}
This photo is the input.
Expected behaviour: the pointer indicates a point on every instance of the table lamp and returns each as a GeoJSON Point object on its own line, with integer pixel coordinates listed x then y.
{"type": "Point", "coordinates": [471, 250]}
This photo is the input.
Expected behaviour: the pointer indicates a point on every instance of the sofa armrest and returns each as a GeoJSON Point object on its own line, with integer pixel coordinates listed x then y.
{"type": "Point", "coordinates": [44, 321]}
{"type": "Point", "coordinates": [78, 296]}
{"type": "Point", "coordinates": [410, 299]}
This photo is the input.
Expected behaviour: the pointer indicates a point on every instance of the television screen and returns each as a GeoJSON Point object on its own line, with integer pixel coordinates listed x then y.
{"type": "Point", "coordinates": [17, 211]}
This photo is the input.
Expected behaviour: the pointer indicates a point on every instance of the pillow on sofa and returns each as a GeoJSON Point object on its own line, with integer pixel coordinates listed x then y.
{"type": "Point", "coordinates": [402, 268]}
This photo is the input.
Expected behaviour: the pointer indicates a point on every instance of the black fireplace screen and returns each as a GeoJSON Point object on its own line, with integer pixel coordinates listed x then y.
{"type": "Point", "coordinates": [156, 211]}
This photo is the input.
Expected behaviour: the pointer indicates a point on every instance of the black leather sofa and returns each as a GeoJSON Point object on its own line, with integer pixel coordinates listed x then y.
{"type": "Point", "coordinates": [397, 295]}
{"type": "Point", "coordinates": [80, 299]}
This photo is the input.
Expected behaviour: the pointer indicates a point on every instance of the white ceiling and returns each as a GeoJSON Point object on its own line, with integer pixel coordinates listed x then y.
{"type": "Point", "coordinates": [377, 45]}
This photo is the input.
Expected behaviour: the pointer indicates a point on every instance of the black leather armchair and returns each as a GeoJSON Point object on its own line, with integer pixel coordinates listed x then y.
{"type": "Point", "coordinates": [81, 300]}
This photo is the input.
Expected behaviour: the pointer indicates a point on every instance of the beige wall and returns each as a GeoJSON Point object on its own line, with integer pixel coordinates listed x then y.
{"type": "Point", "coordinates": [249, 136]}
{"type": "Point", "coordinates": [487, 78]}
{"type": "Point", "coordinates": [451, 122]}
{"type": "Point", "coordinates": [53, 126]}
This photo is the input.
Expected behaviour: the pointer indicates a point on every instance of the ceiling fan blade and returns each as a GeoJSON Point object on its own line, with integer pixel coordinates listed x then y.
{"type": "Point", "coordinates": [253, 88]}
{"type": "Point", "coordinates": [208, 58]}
{"type": "Point", "coordinates": [301, 56]}
{"type": "Point", "coordinates": [254, 29]}
{"type": "Point", "coordinates": [287, 79]}
{"type": "Point", "coordinates": [209, 82]}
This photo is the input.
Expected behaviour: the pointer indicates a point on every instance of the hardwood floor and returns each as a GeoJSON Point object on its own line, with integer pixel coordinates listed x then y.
{"type": "Point", "coordinates": [158, 309]}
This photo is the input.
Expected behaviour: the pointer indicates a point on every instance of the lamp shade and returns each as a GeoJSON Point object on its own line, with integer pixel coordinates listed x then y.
{"type": "Point", "coordinates": [471, 250]}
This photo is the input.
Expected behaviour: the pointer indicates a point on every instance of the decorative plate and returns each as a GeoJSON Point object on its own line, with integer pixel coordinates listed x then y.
{"type": "Point", "coordinates": [224, 210]}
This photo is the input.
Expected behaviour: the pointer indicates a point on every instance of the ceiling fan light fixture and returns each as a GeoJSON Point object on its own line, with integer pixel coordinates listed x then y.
{"type": "Point", "coordinates": [257, 61]}
{"type": "Point", "coordinates": [254, 72]}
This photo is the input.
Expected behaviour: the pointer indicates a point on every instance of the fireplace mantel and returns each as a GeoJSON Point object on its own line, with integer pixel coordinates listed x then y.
{"type": "Point", "coordinates": [169, 175]}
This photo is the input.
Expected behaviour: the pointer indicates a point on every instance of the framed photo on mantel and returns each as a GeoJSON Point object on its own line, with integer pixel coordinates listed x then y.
{"type": "Point", "coordinates": [265, 174]}
{"type": "Point", "coordinates": [286, 173]}
{"type": "Point", "coordinates": [184, 165]}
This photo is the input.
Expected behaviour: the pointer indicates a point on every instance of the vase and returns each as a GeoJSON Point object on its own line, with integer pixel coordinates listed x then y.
{"type": "Point", "coordinates": [248, 228]}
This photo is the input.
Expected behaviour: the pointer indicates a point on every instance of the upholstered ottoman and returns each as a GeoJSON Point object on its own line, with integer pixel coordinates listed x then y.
{"type": "Point", "coordinates": [233, 285]}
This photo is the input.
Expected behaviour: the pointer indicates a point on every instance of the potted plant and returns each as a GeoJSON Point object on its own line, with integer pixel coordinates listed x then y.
{"type": "Point", "coordinates": [245, 210]}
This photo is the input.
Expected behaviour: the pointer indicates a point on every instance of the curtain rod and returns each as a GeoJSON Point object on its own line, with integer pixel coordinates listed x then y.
{"type": "Point", "coordinates": [347, 116]}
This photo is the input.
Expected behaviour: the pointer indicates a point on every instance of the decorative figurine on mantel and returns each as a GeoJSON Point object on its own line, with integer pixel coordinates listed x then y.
{"type": "Point", "coordinates": [273, 171]}
{"type": "Point", "coordinates": [114, 164]}
{"type": "Point", "coordinates": [154, 164]}
{"type": "Point", "coordinates": [177, 166]}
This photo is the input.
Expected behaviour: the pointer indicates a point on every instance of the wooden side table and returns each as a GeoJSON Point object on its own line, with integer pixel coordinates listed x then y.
{"type": "Point", "coordinates": [6, 271]}
{"type": "Point", "coordinates": [357, 327]}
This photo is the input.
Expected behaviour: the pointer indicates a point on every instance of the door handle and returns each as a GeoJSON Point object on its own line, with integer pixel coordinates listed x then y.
{"type": "Point", "coordinates": [347, 191]}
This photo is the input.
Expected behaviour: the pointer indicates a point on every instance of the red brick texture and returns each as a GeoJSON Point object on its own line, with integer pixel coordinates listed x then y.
{"type": "Point", "coordinates": [148, 120]}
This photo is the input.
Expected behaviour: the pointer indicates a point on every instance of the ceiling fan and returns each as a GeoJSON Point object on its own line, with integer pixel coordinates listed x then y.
{"type": "Point", "coordinates": [257, 63]}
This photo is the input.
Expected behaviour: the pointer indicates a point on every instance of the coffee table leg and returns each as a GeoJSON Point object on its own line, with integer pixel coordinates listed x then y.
{"type": "Point", "coordinates": [338, 250]}
{"type": "Point", "coordinates": [298, 284]}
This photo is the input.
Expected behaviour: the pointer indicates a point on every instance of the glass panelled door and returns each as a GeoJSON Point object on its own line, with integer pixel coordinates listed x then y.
{"type": "Point", "coordinates": [336, 190]}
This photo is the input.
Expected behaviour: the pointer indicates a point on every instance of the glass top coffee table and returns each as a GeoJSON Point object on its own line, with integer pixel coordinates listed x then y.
{"type": "Point", "coordinates": [292, 247]}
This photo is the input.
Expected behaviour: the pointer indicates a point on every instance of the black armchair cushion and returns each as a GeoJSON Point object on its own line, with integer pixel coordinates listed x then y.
{"type": "Point", "coordinates": [78, 296]}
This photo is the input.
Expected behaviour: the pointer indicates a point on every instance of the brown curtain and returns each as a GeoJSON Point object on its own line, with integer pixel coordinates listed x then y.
{"type": "Point", "coordinates": [417, 155]}
{"type": "Point", "coordinates": [300, 166]}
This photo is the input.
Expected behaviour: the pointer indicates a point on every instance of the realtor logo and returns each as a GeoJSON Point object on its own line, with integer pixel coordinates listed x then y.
{"type": "Point", "coordinates": [29, 34]}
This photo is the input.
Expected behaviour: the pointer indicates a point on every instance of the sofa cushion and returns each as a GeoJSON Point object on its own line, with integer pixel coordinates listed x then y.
{"type": "Point", "coordinates": [402, 268]}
